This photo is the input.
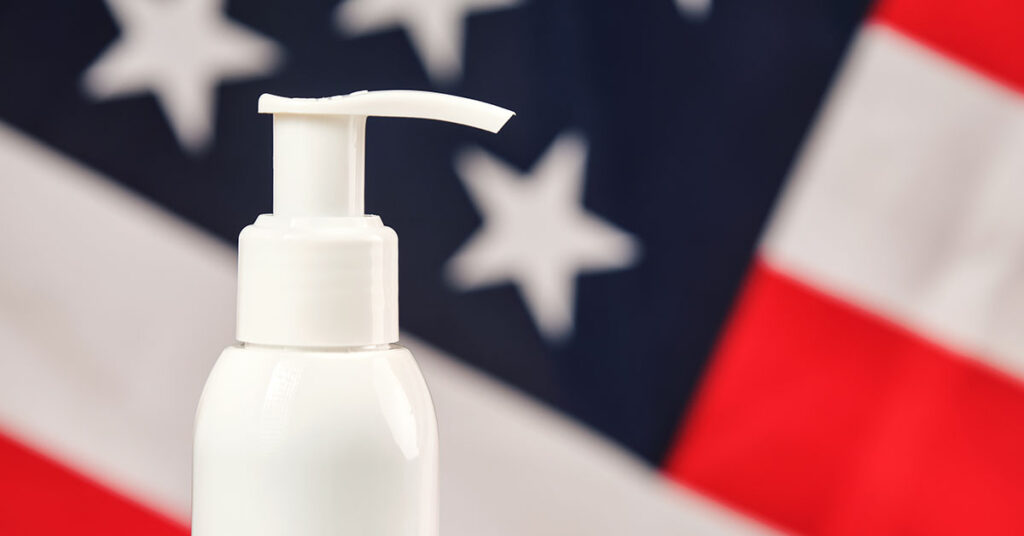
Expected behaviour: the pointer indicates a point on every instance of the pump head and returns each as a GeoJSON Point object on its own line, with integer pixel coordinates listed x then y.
{"type": "Point", "coordinates": [319, 144]}
{"type": "Point", "coordinates": [318, 272]}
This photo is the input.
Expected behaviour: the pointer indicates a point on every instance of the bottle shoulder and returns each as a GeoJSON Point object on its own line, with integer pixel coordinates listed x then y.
{"type": "Point", "coordinates": [251, 365]}
{"type": "Point", "coordinates": [243, 350]}
{"type": "Point", "coordinates": [323, 377]}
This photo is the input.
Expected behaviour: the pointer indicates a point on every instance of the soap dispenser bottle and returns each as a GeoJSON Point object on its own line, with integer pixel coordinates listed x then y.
{"type": "Point", "coordinates": [317, 423]}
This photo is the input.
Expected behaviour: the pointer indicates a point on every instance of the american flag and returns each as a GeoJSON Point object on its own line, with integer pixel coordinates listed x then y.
{"type": "Point", "coordinates": [737, 267]}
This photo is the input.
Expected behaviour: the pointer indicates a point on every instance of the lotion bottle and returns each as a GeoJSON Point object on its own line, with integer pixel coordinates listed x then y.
{"type": "Point", "coordinates": [317, 423]}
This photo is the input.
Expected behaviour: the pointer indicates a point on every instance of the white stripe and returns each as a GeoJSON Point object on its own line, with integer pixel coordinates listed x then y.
{"type": "Point", "coordinates": [112, 312]}
{"type": "Point", "coordinates": [909, 199]}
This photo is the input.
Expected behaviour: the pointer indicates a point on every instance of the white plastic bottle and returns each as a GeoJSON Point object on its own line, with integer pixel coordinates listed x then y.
{"type": "Point", "coordinates": [317, 423]}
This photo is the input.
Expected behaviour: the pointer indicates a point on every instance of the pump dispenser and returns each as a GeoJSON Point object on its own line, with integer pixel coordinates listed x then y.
{"type": "Point", "coordinates": [317, 423]}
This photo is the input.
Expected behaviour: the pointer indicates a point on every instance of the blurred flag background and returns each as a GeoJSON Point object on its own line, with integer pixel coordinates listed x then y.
{"type": "Point", "coordinates": [737, 267]}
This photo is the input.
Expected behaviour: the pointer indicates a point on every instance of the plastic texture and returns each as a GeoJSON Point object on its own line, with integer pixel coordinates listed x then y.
{"type": "Point", "coordinates": [312, 443]}
{"type": "Point", "coordinates": [319, 144]}
{"type": "Point", "coordinates": [318, 272]}
{"type": "Point", "coordinates": [317, 424]}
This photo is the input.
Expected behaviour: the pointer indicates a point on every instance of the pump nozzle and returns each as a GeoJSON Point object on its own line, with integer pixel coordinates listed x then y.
{"type": "Point", "coordinates": [319, 144]}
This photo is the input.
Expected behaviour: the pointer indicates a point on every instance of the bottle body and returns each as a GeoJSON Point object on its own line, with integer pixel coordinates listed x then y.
{"type": "Point", "coordinates": [299, 442]}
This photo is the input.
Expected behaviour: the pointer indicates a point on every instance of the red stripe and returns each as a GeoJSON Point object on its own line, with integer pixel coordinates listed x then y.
{"type": "Point", "coordinates": [39, 496]}
{"type": "Point", "coordinates": [827, 420]}
{"type": "Point", "coordinates": [987, 35]}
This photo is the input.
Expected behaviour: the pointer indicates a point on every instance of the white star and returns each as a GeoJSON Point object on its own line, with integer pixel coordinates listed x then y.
{"type": "Point", "coordinates": [179, 50]}
{"type": "Point", "coordinates": [694, 9]}
{"type": "Point", "coordinates": [435, 27]}
{"type": "Point", "coordinates": [536, 232]}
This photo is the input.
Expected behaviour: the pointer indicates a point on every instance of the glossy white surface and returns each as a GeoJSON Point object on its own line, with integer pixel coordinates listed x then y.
{"type": "Point", "coordinates": [294, 442]}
